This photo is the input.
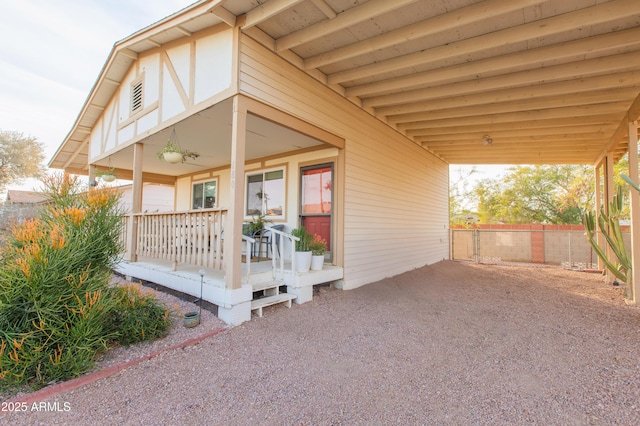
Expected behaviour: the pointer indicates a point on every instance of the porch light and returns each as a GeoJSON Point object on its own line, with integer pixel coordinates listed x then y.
{"type": "Point", "coordinates": [487, 140]}
{"type": "Point", "coordinates": [173, 153]}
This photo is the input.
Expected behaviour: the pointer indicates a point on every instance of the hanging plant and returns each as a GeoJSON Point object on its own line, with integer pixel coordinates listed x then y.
{"type": "Point", "coordinates": [172, 153]}
{"type": "Point", "coordinates": [108, 175]}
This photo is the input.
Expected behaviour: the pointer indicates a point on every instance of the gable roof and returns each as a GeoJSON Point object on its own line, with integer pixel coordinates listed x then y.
{"type": "Point", "coordinates": [474, 82]}
{"type": "Point", "coordinates": [25, 197]}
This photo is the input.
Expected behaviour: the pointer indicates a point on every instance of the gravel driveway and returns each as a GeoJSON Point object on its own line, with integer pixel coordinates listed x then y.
{"type": "Point", "coordinates": [451, 343]}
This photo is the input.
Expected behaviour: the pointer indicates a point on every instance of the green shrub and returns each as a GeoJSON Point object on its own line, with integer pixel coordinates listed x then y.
{"type": "Point", "coordinates": [56, 305]}
{"type": "Point", "coordinates": [138, 316]}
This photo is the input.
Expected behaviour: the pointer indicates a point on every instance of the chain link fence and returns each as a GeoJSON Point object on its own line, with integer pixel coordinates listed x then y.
{"type": "Point", "coordinates": [567, 248]}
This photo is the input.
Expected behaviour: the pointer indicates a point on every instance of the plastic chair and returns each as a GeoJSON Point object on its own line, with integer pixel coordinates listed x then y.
{"type": "Point", "coordinates": [266, 237]}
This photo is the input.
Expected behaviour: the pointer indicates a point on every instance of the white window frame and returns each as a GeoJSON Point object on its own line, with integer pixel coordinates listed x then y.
{"type": "Point", "coordinates": [203, 182]}
{"type": "Point", "coordinates": [263, 172]}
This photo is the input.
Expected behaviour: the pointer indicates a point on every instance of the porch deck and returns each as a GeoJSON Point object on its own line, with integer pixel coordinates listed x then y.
{"type": "Point", "coordinates": [234, 306]}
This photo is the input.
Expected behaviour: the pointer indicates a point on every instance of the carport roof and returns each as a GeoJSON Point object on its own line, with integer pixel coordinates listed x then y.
{"type": "Point", "coordinates": [550, 81]}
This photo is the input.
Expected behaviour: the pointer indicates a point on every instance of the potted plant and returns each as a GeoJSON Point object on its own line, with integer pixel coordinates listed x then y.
{"type": "Point", "coordinates": [108, 175]}
{"type": "Point", "coordinates": [255, 227]}
{"type": "Point", "coordinates": [172, 153]}
{"type": "Point", "coordinates": [318, 248]}
{"type": "Point", "coordinates": [302, 249]}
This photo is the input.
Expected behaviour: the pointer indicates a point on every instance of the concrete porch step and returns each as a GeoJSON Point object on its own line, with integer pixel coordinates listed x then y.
{"type": "Point", "coordinates": [267, 285]}
{"type": "Point", "coordinates": [258, 304]}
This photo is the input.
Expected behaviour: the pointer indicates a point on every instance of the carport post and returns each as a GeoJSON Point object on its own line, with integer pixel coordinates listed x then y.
{"type": "Point", "coordinates": [634, 278]}
{"type": "Point", "coordinates": [598, 205]}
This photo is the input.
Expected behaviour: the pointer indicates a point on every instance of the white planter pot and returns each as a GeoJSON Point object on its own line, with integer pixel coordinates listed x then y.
{"type": "Point", "coordinates": [303, 261]}
{"type": "Point", "coordinates": [172, 157]}
{"type": "Point", "coordinates": [108, 178]}
{"type": "Point", "coordinates": [317, 262]}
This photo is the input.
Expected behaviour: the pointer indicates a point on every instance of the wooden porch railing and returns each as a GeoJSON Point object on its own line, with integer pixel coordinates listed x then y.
{"type": "Point", "coordinates": [192, 237]}
{"type": "Point", "coordinates": [195, 237]}
{"type": "Point", "coordinates": [277, 259]}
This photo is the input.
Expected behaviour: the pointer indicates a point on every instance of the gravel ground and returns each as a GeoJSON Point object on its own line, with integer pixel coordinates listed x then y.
{"type": "Point", "coordinates": [451, 343]}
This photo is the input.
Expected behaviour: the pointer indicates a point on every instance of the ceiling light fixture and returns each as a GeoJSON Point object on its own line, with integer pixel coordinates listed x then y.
{"type": "Point", "coordinates": [487, 140]}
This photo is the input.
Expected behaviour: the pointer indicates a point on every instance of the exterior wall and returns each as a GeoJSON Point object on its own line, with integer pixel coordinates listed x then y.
{"type": "Point", "coordinates": [179, 78]}
{"type": "Point", "coordinates": [395, 193]}
{"type": "Point", "coordinates": [291, 163]}
{"type": "Point", "coordinates": [155, 198]}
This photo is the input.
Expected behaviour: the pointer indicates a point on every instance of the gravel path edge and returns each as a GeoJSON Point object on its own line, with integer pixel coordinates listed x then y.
{"type": "Point", "coordinates": [92, 377]}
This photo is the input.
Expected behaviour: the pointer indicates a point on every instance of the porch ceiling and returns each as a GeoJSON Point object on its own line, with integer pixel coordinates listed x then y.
{"type": "Point", "coordinates": [548, 81]}
{"type": "Point", "coordinates": [208, 133]}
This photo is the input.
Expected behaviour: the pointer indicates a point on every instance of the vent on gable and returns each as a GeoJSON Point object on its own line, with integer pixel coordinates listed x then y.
{"type": "Point", "coordinates": [136, 96]}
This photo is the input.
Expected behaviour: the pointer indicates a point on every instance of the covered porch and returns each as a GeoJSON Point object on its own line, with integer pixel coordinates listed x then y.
{"type": "Point", "coordinates": [182, 250]}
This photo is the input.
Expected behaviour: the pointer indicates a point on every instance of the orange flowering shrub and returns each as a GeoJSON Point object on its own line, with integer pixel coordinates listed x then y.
{"type": "Point", "coordinates": [57, 309]}
{"type": "Point", "coordinates": [54, 274]}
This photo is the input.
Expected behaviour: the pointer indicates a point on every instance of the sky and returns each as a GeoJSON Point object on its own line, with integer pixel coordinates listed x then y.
{"type": "Point", "coordinates": [51, 52]}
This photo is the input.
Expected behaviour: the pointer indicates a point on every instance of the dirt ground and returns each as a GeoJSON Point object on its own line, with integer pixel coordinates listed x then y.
{"type": "Point", "coordinates": [451, 343]}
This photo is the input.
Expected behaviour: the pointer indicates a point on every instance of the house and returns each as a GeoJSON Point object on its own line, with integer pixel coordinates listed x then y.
{"type": "Point", "coordinates": [155, 197]}
{"type": "Point", "coordinates": [19, 205]}
{"type": "Point", "coordinates": [25, 198]}
{"type": "Point", "coordinates": [344, 117]}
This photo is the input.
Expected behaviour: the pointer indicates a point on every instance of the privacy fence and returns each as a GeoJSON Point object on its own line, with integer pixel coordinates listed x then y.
{"type": "Point", "coordinates": [563, 245]}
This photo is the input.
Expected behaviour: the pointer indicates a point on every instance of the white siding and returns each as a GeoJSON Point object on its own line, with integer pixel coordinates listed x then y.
{"type": "Point", "coordinates": [150, 67]}
{"type": "Point", "coordinates": [155, 198]}
{"type": "Point", "coordinates": [213, 65]}
{"type": "Point", "coordinates": [395, 194]}
{"type": "Point", "coordinates": [169, 88]}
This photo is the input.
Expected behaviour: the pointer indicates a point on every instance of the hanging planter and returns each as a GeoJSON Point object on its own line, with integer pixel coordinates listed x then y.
{"type": "Point", "coordinates": [173, 153]}
{"type": "Point", "coordinates": [173, 157]}
{"type": "Point", "coordinates": [107, 175]}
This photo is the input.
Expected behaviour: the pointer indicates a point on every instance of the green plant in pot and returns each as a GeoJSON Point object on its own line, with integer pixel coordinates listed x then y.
{"type": "Point", "coordinates": [302, 253]}
{"type": "Point", "coordinates": [256, 225]}
{"type": "Point", "coordinates": [172, 153]}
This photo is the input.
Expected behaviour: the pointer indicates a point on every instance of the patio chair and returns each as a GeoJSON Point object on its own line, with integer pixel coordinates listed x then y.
{"type": "Point", "coordinates": [266, 237]}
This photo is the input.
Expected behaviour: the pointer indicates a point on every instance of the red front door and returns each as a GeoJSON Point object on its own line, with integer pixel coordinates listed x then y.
{"type": "Point", "coordinates": [316, 200]}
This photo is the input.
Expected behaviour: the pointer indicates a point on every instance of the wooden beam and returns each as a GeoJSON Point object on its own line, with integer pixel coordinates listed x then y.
{"type": "Point", "coordinates": [466, 15]}
{"type": "Point", "coordinates": [450, 133]}
{"type": "Point", "coordinates": [437, 127]}
{"type": "Point", "coordinates": [581, 100]}
{"type": "Point", "coordinates": [531, 58]}
{"type": "Point", "coordinates": [514, 138]}
{"type": "Point", "coordinates": [576, 72]}
{"type": "Point", "coordinates": [542, 156]}
{"type": "Point", "coordinates": [617, 138]}
{"type": "Point", "coordinates": [325, 8]}
{"type": "Point", "coordinates": [585, 111]}
{"type": "Point", "coordinates": [612, 87]}
{"type": "Point", "coordinates": [514, 147]}
{"type": "Point", "coordinates": [224, 15]}
{"type": "Point", "coordinates": [346, 19]}
{"type": "Point", "coordinates": [579, 19]}
{"type": "Point", "coordinates": [267, 10]}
